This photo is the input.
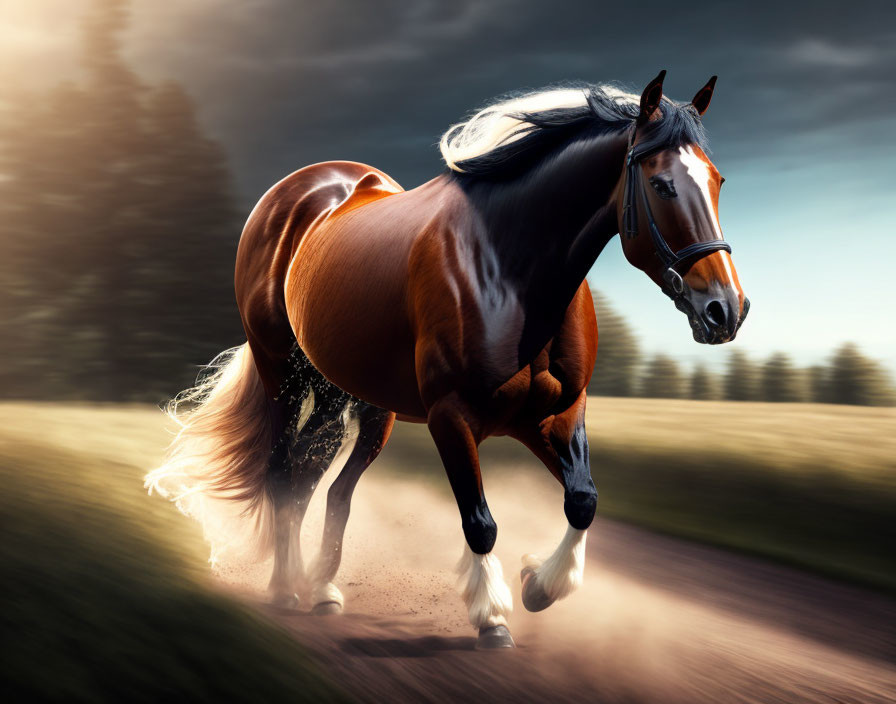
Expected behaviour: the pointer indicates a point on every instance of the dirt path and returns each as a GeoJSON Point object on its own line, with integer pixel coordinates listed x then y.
{"type": "Point", "coordinates": [657, 620]}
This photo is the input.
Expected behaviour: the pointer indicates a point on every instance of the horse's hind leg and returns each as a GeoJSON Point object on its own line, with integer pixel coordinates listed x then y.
{"type": "Point", "coordinates": [309, 440]}
{"type": "Point", "coordinates": [562, 445]}
{"type": "Point", "coordinates": [289, 477]}
{"type": "Point", "coordinates": [374, 426]}
{"type": "Point", "coordinates": [287, 413]}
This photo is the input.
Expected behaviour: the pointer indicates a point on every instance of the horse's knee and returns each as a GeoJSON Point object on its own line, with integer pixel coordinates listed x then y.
{"type": "Point", "coordinates": [580, 506]}
{"type": "Point", "coordinates": [480, 530]}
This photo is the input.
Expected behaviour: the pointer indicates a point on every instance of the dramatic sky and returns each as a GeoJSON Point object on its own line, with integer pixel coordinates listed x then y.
{"type": "Point", "coordinates": [802, 123]}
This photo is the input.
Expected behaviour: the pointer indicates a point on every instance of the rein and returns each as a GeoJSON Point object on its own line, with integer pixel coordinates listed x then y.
{"type": "Point", "coordinates": [674, 284]}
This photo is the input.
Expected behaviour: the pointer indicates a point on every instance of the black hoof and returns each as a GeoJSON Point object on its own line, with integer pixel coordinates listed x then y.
{"type": "Point", "coordinates": [494, 637]}
{"type": "Point", "coordinates": [534, 597]}
{"type": "Point", "coordinates": [285, 601]}
{"type": "Point", "coordinates": [326, 608]}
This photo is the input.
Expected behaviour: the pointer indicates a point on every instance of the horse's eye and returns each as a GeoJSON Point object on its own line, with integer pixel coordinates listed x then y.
{"type": "Point", "coordinates": [663, 186]}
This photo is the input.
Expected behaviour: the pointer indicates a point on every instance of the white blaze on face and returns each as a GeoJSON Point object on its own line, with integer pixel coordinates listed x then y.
{"type": "Point", "coordinates": [699, 171]}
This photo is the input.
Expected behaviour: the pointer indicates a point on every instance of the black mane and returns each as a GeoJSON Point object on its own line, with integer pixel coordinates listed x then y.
{"type": "Point", "coordinates": [602, 114]}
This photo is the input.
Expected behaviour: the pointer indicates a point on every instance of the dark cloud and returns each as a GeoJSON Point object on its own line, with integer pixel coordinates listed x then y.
{"type": "Point", "coordinates": [286, 84]}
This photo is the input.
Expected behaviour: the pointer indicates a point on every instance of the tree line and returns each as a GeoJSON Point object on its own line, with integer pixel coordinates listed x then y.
{"type": "Point", "coordinates": [118, 231]}
{"type": "Point", "coordinates": [847, 377]}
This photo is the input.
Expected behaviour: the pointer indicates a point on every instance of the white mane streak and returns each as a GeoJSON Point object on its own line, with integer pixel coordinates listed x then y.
{"type": "Point", "coordinates": [493, 126]}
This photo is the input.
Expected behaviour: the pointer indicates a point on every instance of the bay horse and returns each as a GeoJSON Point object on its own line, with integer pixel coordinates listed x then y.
{"type": "Point", "coordinates": [461, 304]}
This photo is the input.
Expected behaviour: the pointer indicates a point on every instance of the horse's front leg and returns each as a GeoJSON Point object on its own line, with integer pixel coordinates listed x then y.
{"type": "Point", "coordinates": [484, 591]}
{"type": "Point", "coordinates": [561, 443]}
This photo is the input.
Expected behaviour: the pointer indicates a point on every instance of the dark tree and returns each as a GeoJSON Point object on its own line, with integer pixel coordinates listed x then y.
{"type": "Point", "coordinates": [662, 378]}
{"type": "Point", "coordinates": [117, 233]}
{"type": "Point", "coordinates": [819, 383]}
{"type": "Point", "coordinates": [780, 381]}
{"type": "Point", "coordinates": [740, 378]}
{"type": "Point", "coordinates": [618, 353]}
{"type": "Point", "coordinates": [857, 380]}
{"type": "Point", "coordinates": [703, 386]}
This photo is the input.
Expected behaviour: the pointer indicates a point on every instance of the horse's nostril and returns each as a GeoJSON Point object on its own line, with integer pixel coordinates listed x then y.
{"type": "Point", "coordinates": [715, 314]}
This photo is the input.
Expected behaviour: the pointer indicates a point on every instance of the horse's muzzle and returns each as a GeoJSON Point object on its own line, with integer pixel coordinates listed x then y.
{"type": "Point", "coordinates": [714, 315]}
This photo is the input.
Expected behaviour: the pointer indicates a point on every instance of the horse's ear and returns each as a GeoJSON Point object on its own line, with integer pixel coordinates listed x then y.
{"type": "Point", "coordinates": [651, 97]}
{"type": "Point", "coordinates": [704, 95]}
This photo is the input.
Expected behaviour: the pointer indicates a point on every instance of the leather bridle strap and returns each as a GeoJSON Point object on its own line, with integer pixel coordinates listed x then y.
{"type": "Point", "coordinates": [664, 252]}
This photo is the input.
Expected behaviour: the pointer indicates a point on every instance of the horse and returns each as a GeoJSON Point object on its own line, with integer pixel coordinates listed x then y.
{"type": "Point", "coordinates": [461, 304]}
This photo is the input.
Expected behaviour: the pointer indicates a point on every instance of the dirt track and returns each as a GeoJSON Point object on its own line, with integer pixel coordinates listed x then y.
{"type": "Point", "coordinates": [657, 620]}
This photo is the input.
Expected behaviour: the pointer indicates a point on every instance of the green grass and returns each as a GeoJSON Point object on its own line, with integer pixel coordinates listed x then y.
{"type": "Point", "coordinates": [809, 485]}
{"type": "Point", "coordinates": [105, 589]}
{"type": "Point", "coordinates": [812, 485]}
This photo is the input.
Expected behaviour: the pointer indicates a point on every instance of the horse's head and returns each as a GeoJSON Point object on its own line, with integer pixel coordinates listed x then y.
{"type": "Point", "coordinates": [669, 216]}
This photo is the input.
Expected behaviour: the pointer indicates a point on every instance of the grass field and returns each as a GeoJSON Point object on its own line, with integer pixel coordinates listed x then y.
{"type": "Point", "coordinates": [810, 485]}
{"type": "Point", "coordinates": [108, 590]}
{"type": "Point", "coordinates": [814, 485]}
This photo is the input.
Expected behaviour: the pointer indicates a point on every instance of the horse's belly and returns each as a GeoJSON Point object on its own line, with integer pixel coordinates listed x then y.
{"type": "Point", "coordinates": [346, 300]}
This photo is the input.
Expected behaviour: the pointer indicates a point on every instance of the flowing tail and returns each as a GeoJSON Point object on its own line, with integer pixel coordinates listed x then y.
{"type": "Point", "coordinates": [215, 469]}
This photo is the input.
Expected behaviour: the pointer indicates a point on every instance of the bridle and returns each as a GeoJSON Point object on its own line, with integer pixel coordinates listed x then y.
{"type": "Point", "coordinates": [674, 285]}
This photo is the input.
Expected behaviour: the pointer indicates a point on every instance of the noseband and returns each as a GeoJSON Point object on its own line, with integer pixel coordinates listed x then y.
{"type": "Point", "coordinates": [674, 284]}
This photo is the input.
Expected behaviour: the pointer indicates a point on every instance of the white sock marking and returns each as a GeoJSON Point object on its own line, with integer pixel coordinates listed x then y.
{"type": "Point", "coordinates": [562, 573]}
{"type": "Point", "coordinates": [483, 589]}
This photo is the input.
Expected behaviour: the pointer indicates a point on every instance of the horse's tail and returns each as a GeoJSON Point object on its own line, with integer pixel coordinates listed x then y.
{"type": "Point", "coordinates": [215, 468]}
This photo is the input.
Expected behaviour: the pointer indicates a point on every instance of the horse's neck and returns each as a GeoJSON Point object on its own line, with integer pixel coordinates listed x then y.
{"type": "Point", "coordinates": [544, 230]}
{"type": "Point", "coordinates": [548, 226]}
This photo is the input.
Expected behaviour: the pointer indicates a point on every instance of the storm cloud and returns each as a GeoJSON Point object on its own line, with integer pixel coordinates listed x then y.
{"type": "Point", "coordinates": [285, 84]}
